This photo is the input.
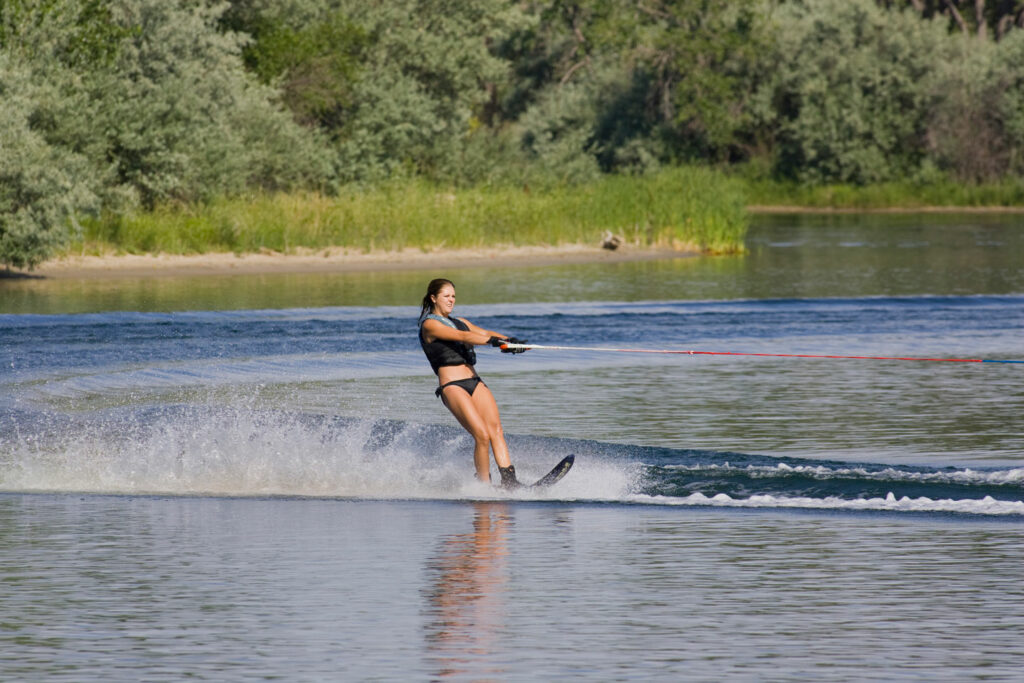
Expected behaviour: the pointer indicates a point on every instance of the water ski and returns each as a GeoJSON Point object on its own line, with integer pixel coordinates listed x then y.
{"type": "Point", "coordinates": [559, 471]}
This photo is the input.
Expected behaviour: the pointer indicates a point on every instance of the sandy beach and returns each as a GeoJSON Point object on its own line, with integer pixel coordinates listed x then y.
{"type": "Point", "coordinates": [329, 260]}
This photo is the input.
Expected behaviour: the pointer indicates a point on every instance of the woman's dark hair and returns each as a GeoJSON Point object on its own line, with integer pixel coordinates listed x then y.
{"type": "Point", "coordinates": [432, 290]}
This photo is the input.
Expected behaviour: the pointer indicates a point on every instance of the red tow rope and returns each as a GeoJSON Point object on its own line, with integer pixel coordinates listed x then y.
{"type": "Point", "coordinates": [542, 347]}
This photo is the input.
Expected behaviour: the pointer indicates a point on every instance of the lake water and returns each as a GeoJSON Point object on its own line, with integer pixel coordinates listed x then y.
{"type": "Point", "coordinates": [249, 477]}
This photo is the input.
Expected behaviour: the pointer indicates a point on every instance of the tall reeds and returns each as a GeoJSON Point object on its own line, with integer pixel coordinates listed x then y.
{"type": "Point", "coordinates": [938, 193]}
{"type": "Point", "coordinates": [682, 208]}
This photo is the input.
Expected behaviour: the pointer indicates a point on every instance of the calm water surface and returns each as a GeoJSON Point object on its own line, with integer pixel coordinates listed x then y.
{"type": "Point", "coordinates": [167, 588]}
{"type": "Point", "coordinates": [249, 477]}
{"type": "Point", "coordinates": [790, 256]}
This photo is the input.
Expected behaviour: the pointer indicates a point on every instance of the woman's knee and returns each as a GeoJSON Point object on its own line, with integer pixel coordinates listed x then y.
{"type": "Point", "coordinates": [481, 434]}
{"type": "Point", "coordinates": [495, 432]}
{"type": "Point", "coordinates": [492, 424]}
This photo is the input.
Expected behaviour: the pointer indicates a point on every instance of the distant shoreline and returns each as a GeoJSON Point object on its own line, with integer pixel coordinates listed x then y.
{"type": "Point", "coordinates": [342, 260]}
{"type": "Point", "coordinates": [783, 209]}
{"type": "Point", "coordinates": [334, 260]}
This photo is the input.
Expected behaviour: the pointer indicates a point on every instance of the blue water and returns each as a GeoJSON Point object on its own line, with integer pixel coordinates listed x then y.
{"type": "Point", "coordinates": [194, 402]}
{"type": "Point", "coordinates": [237, 493]}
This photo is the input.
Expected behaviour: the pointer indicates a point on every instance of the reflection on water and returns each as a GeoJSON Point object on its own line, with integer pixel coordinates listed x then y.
{"type": "Point", "coordinates": [467, 588]}
{"type": "Point", "coordinates": [888, 255]}
{"type": "Point", "coordinates": [169, 588]}
{"type": "Point", "coordinates": [209, 292]}
{"type": "Point", "coordinates": [789, 256]}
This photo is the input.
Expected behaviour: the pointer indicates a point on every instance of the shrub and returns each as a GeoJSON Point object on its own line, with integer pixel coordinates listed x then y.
{"type": "Point", "coordinates": [847, 88]}
{"type": "Point", "coordinates": [42, 186]}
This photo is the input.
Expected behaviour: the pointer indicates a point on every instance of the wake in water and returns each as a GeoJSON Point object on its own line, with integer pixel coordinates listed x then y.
{"type": "Point", "coordinates": [122, 403]}
{"type": "Point", "coordinates": [195, 450]}
{"type": "Point", "coordinates": [188, 450]}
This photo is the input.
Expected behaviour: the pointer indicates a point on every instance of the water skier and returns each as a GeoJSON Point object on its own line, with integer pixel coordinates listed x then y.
{"type": "Point", "coordinates": [448, 344]}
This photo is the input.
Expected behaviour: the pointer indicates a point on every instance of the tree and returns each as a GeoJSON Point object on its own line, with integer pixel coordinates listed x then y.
{"type": "Point", "coordinates": [42, 187]}
{"type": "Point", "coordinates": [636, 84]}
{"type": "Point", "coordinates": [701, 57]}
{"type": "Point", "coordinates": [107, 105]}
{"type": "Point", "coordinates": [976, 109]}
{"type": "Point", "coordinates": [184, 121]}
{"type": "Point", "coordinates": [398, 86]}
{"type": "Point", "coordinates": [846, 97]}
{"type": "Point", "coordinates": [982, 18]}
{"type": "Point", "coordinates": [427, 82]}
{"type": "Point", "coordinates": [44, 183]}
{"type": "Point", "coordinates": [315, 62]}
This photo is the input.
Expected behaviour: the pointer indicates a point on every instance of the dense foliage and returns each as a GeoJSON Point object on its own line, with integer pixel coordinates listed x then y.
{"type": "Point", "coordinates": [116, 106]}
{"type": "Point", "coordinates": [113, 105]}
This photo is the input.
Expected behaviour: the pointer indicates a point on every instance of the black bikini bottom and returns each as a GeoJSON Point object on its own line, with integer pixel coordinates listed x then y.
{"type": "Point", "coordinates": [469, 384]}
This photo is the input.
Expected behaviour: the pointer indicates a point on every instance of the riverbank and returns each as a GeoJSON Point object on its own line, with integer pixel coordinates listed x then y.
{"type": "Point", "coordinates": [794, 209]}
{"type": "Point", "coordinates": [683, 208]}
{"type": "Point", "coordinates": [941, 195]}
{"type": "Point", "coordinates": [342, 260]}
{"type": "Point", "coordinates": [266, 261]}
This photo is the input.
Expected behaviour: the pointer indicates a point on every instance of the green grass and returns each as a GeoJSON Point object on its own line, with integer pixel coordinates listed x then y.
{"type": "Point", "coordinates": [683, 208]}
{"type": "Point", "coordinates": [894, 195]}
{"type": "Point", "coordinates": [687, 208]}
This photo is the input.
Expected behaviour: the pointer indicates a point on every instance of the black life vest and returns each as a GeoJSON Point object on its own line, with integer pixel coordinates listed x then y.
{"type": "Point", "coordinates": [442, 352]}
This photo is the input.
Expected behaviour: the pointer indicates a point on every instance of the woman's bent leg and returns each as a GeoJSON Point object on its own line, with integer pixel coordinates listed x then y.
{"type": "Point", "coordinates": [487, 409]}
{"type": "Point", "coordinates": [465, 411]}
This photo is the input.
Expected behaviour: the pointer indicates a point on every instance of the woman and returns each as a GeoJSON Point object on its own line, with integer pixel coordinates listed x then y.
{"type": "Point", "coordinates": [448, 343]}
